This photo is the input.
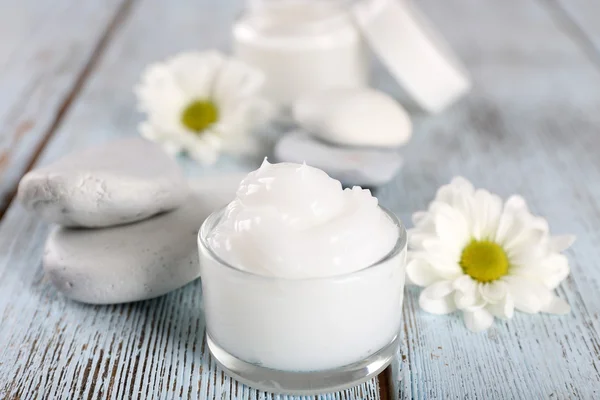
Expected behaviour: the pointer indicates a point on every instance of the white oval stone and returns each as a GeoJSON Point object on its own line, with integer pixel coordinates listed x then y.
{"type": "Point", "coordinates": [136, 261]}
{"type": "Point", "coordinates": [119, 182]}
{"type": "Point", "coordinates": [354, 117]}
{"type": "Point", "coordinates": [351, 166]}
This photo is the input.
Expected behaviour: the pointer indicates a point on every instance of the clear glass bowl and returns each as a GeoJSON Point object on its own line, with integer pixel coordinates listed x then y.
{"type": "Point", "coordinates": [302, 336]}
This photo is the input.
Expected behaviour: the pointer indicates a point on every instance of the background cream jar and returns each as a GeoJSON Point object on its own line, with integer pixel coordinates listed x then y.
{"type": "Point", "coordinates": [302, 282]}
{"type": "Point", "coordinates": [306, 46]}
{"type": "Point", "coordinates": [302, 46]}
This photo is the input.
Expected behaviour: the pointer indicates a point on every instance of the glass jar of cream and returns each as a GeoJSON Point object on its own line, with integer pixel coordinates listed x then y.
{"type": "Point", "coordinates": [302, 282]}
{"type": "Point", "coordinates": [301, 46]}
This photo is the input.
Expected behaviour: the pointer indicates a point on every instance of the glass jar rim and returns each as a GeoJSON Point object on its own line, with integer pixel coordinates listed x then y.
{"type": "Point", "coordinates": [399, 246]}
{"type": "Point", "coordinates": [326, 12]}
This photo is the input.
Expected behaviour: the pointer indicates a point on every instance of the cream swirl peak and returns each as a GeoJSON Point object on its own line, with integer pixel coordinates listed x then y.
{"type": "Point", "coordinates": [294, 221]}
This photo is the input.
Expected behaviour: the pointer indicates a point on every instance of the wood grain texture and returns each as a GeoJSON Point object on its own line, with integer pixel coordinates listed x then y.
{"type": "Point", "coordinates": [580, 20]}
{"type": "Point", "coordinates": [47, 49]}
{"type": "Point", "coordinates": [530, 126]}
{"type": "Point", "coordinates": [55, 348]}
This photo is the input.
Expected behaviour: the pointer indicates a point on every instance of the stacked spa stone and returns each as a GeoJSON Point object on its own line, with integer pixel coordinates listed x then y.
{"type": "Point", "coordinates": [127, 221]}
{"type": "Point", "coordinates": [352, 134]}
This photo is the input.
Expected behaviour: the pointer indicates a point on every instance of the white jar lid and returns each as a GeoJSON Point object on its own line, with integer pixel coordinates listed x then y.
{"type": "Point", "coordinates": [414, 54]}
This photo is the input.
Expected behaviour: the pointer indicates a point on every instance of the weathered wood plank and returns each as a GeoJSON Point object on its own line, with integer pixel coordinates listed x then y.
{"type": "Point", "coordinates": [528, 127]}
{"type": "Point", "coordinates": [46, 51]}
{"type": "Point", "coordinates": [580, 19]}
{"type": "Point", "coordinates": [56, 348]}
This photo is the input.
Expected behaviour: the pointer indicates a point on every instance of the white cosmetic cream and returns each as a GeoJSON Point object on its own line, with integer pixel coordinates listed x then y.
{"type": "Point", "coordinates": [299, 274]}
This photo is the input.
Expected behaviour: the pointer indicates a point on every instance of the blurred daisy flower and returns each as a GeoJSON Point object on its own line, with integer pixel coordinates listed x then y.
{"type": "Point", "coordinates": [202, 104]}
{"type": "Point", "coordinates": [486, 258]}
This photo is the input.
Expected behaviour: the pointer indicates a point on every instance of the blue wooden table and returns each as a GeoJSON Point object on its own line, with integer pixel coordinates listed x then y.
{"type": "Point", "coordinates": [530, 126]}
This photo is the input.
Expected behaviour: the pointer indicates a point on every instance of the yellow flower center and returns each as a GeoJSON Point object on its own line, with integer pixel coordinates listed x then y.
{"type": "Point", "coordinates": [199, 115]}
{"type": "Point", "coordinates": [484, 261]}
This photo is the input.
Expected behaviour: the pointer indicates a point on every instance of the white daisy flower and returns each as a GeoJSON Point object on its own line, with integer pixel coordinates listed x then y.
{"type": "Point", "coordinates": [475, 254]}
{"type": "Point", "coordinates": [202, 103]}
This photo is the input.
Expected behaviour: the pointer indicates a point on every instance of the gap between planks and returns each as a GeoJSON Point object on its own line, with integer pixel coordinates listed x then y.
{"type": "Point", "coordinates": [123, 11]}
{"type": "Point", "coordinates": [384, 384]}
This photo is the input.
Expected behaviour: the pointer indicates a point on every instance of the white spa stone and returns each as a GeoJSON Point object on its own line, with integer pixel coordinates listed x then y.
{"type": "Point", "coordinates": [136, 261]}
{"type": "Point", "coordinates": [350, 165]}
{"type": "Point", "coordinates": [118, 182]}
{"type": "Point", "coordinates": [354, 117]}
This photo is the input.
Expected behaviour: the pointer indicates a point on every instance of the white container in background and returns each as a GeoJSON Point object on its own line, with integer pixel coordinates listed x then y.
{"type": "Point", "coordinates": [305, 46]}
{"type": "Point", "coordinates": [301, 46]}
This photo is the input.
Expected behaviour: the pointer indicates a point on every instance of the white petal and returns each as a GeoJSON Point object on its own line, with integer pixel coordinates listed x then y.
{"type": "Point", "coordinates": [516, 204]}
{"type": "Point", "coordinates": [465, 284]}
{"type": "Point", "coordinates": [420, 273]}
{"type": "Point", "coordinates": [503, 309]}
{"type": "Point", "coordinates": [445, 305]}
{"type": "Point", "coordinates": [469, 301]}
{"type": "Point", "coordinates": [147, 130]}
{"type": "Point", "coordinates": [451, 227]}
{"type": "Point", "coordinates": [418, 217]}
{"type": "Point", "coordinates": [151, 133]}
{"type": "Point", "coordinates": [550, 270]}
{"type": "Point", "coordinates": [540, 224]}
{"type": "Point", "coordinates": [158, 91]}
{"type": "Point", "coordinates": [446, 255]}
{"type": "Point", "coordinates": [486, 214]}
{"type": "Point", "coordinates": [195, 72]}
{"type": "Point", "coordinates": [478, 320]}
{"type": "Point", "coordinates": [425, 225]}
{"type": "Point", "coordinates": [205, 149]}
{"type": "Point", "coordinates": [237, 120]}
{"type": "Point", "coordinates": [416, 238]}
{"type": "Point", "coordinates": [529, 246]}
{"type": "Point", "coordinates": [512, 230]}
{"type": "Point", "coordinates": [556, 305]}
{"type": "Point", "coordinates": [443, 269]}
{"type": "Point", "coordinates": [466, 295]}
{"type": "Point", "coordinates": [445, 194]}
{"type": "Point", "coordinates": [458, 194]}
{"type": "Point", "coordinates": [171, 147]}
{"type": "Point", "coordinates": [554, 269]}
{"type": "Point", "coordinates": [561, 243]}
{"type": "Point", "coordinates": [526, 240]}
{"type": "Point", "coordinates": [505, 227]}
{"type": "Point", "coordinates": [205, 157]}
{"type": "Point", "coordinates": [236, 79]}
{"type": "Point", "coordinates": [462, 184]}
{"type": "Point", "coordinates": [529, 295]}
{"type": "Point", "coordinates": [511, 220]}
{"type": "Point", "coordinates": [238, 126]}
{"type": "Point", "coordinates": [493, 292]}
{"type": "Point", "coordinates": [438, 290]}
